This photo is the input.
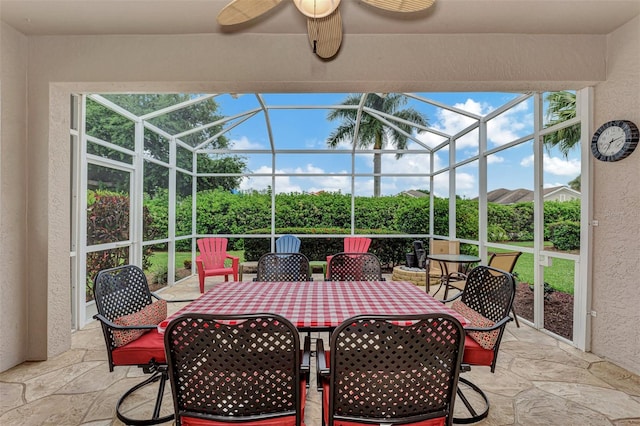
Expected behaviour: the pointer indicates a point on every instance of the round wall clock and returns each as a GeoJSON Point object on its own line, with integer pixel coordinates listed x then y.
{"type": "Point", "coordinates": [614, 140]}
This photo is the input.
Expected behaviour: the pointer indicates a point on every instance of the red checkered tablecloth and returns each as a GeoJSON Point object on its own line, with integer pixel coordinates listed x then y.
{"type": "Point", "coordinates": [317, 305]}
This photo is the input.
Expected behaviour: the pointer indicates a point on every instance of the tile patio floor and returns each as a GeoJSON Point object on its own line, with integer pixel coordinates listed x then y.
{"type": "Point", "coordinates": [538, 381]}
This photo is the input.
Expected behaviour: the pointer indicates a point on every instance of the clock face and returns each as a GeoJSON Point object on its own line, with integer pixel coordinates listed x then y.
{"type": "Point", "coordinates": [614, 140]}
{"type": "Point", "coordinates": [611, 141]}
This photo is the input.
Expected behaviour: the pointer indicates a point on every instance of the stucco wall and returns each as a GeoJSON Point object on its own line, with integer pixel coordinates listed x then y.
{"type": "Point", "coordinates": [616, 262]}
{"type": "Point", "coordinates": [244, 63]}
{"type": "Point", "coordinates": [13, 175]}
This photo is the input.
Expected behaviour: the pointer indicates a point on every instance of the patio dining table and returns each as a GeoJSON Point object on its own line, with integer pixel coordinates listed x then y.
{"type": "Point", "coordinates": [316, 305]}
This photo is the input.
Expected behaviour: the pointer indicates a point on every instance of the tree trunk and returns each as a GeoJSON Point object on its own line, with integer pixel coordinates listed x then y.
{"type": "Point", "coordinates": [377, 166]}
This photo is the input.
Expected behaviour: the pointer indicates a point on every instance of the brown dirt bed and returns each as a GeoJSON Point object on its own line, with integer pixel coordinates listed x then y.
{"type": "Point", "coordinates": [558, 310]}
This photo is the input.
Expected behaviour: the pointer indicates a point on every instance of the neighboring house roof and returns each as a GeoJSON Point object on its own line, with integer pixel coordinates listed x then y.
{"type": "Point", "coordinates": [553, 191]}
{"type": "Point", "coordinates": [521, 195]}
{"type": "Point", "coordinates": [414, 193]}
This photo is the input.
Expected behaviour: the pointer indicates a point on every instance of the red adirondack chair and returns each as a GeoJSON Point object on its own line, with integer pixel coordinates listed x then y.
{"type": "Point", "coordinates": [353, 245]}
{"type": "Point", "coordinates": [213, 253]}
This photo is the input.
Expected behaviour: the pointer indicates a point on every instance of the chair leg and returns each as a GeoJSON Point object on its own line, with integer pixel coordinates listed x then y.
{"type": "Point", "coordinates": [515, 317]}
{"type": "Point", "coordinates": [159, 375]}
{"type": "Point", "coordinates": [475, 414]}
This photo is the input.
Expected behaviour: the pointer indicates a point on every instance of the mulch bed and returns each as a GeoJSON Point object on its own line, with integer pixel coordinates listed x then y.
{"type": "Point", "coordinates": [558, 310]}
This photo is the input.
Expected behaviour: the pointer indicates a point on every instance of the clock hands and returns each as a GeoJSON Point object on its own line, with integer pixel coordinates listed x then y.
{"type": "Point", "coordinates": [612, 141]}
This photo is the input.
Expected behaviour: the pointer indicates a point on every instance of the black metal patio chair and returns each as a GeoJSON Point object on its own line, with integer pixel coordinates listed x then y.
{"type": "Point", "coordinates": [354, 267]}
{"type": "Point", "coordinates": [485, 302]}
{"type": "Point", "coordinates": [389, 370]}
{"type": "Point", "coordinates": [129, 317]}
{"type": "Point", "coordinates": [237, 369]}
{"type": "Point", "coordinates": [283, 267]}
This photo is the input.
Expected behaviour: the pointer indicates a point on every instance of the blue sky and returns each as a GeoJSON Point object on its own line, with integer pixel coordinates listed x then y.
{"type": "Point", "coordinates": [308, 129]}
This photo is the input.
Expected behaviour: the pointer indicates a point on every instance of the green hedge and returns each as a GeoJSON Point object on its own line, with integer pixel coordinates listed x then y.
{"type": "Point", "coordinates": [390, 251]}
{"type": "Point", "coordinates": [222, 212]}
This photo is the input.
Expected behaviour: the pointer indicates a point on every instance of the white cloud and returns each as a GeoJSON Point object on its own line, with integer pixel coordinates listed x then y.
{"type": "Point", "coordinates": [245, 143]}
{"type": "Point", "coordinates": [287, 184]}
{"type": "Point", "coordinates": [502, 129]}
{"type": "Point", "coordinates": [510, 125]}
{"type": "Point", "coordinates": [260, 183]}
{"type": "Point", "coordinates": [495, 159]}
{"type": "Point", "coordinates": [527, 161]}
{"type": "Point", "coordinates": [558, 166]}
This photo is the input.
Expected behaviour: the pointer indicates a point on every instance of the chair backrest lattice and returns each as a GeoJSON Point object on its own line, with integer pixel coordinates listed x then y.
{"type": "Point", "coordinates": [354, 267]}
{"type": "Point", "coordinates": [356, 244]}
{"type": "Point", "coordinates": [229, 367]}
{"type": "Point", "coordinates": [504, 261]}
{"type": "Point", "coordinates": [283, 267]}
{"type": "Point", "coordinates": [120, 291]}
{"type": "Point", "coordinates": [490, 292]}
{"type": "Point", "coordinates": [288, 244]}
{"type": "Point", "coordinates": [405, 373]}
{"type": "Point", "coordinates": [213, 251]}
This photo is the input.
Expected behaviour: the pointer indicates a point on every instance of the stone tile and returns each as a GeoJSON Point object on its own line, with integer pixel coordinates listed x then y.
{"type": "Point", "coordinates": [10, 396]}
{"type": "Point", "coordinates": [313, 409]}
{"type": "Point", "coordinates": [54, 410]}
{"type": "Point", "coordinates": [145, 410]}
{"type": "Point", "coordinates": [30, 370]}
{"type": "Point", "coordinates": [501, 411]}
{"type": "Point", "coordinates": [96, 355]}
{"type": "Point", "coordinates": [97, 423]}
{"type": "Point", "coordinates": [96, 379]}
{"type": "Point", "coordinates": [88, 338]}
{"type": "Point", "coordinates": [617, 377]}
{"type": "Point", "coordinates": [535, 407]}
{"type": "Point", "coordinates": [627, 422]}
{"type": "Point", "coordinates": [529, 350]}
{"type": "Point", "coordinates": [104, 406]}
{"type": "Point", "coordinates": [612, 403]}
{"type": "Point", "coordinates": [573, 351]}
{"type": "Point", "coordinates": [47, 384]}
{"type": "Point", "coordinates": [531, 335]}
{"type": "Point", "coordinates": [535, 370]}
{"type": "Point", "coordinates": [502, 382]}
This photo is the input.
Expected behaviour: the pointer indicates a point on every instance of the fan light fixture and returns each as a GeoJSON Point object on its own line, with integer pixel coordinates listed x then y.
{"type": "Point", "coordinates": [316, 8]}
{"type": "Point", "coordinates": [324, 22]}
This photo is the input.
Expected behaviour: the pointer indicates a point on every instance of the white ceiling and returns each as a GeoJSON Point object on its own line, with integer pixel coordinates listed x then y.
{"type": "Point", "coordinates": [85, 17]}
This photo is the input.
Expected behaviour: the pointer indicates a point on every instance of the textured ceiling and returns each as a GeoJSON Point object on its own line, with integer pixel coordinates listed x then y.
{"type": "Point", "coordinates": [83, 17]}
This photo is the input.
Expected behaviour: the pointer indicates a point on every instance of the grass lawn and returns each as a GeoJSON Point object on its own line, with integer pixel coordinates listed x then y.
{"type": "Point", "coordinates": [560, 275]}
{"type": "Point", "coordinates": [161, 258]}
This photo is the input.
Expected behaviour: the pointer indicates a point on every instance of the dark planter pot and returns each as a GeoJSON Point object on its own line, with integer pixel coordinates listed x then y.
{"type": "Point", "coordinates": [411, 260]}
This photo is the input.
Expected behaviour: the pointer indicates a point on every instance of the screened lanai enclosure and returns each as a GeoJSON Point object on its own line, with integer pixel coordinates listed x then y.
{"type": "Point", "coordinates": [497, 171]}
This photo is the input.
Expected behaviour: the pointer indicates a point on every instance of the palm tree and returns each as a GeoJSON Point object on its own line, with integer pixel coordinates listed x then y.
{"type": "Point", "coordinates": [372, 131]}
{"type": "Point", "coordinates": [562, 107]}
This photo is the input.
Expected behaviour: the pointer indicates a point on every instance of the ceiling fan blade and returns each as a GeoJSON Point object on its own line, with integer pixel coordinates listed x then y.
{"type": "Point", "coordinates": [325, 34]}
{"type": "Point", "coordinates": [401, 5]}
{"type": "Point", "coordinates": [239, 11]}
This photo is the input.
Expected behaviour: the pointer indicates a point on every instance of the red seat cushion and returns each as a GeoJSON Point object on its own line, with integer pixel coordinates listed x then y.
{"type": "Point", "coordinates": [474, 354]}
{"type": "Point", "coordinates": [281, 421]}
{"type": "Point", "coordinates": [140, 351]}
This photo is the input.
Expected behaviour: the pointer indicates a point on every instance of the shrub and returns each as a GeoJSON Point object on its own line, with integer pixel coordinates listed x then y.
{"type": "Point", "coordinates": [565, 235]}
{"type": "Point", "coordinates": [108, 222]}
{"type": "Point", "coordinates": [390, 251]}
{"type": "Point", "coordinates": [496, 234]}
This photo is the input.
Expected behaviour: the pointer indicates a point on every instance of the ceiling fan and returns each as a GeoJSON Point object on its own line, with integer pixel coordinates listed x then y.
{"type": "Point", "coordinates": [324, 23]}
